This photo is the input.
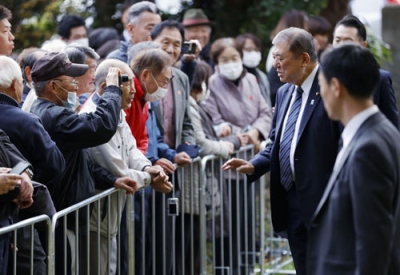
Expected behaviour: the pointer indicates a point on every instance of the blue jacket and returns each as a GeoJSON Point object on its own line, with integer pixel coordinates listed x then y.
{"type": "Point", "coordinates": [157, 148]}
{"type": "Point", "coordinates": [122, 52]}
{"type": "Point", "coordinates": [74, 133]}
{"type": "Point", "coordinates": [26, 132]}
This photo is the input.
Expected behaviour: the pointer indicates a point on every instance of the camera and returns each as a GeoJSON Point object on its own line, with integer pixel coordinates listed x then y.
{"type": "Point", "coordinates": [122, 78]}
{"type": "Point", "coordinates": [173, 207]}
{"type": "Point", "coordinates": [188, 47]}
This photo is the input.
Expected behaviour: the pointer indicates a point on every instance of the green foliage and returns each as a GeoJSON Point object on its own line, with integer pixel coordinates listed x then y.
{"type": "Point", "coordinates": [379, 49]}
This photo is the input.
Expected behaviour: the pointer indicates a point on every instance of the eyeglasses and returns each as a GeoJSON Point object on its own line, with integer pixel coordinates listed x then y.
{"type": "Point", "coordinates": [75, 82]}
{"type": "Point", "coordinates": [165, 82]}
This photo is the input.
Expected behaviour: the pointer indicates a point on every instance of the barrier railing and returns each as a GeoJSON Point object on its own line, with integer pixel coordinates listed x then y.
{"type": "Point", "coordinates": [213, 222]}
{"type": "Point", "coordinates": [31, 222]}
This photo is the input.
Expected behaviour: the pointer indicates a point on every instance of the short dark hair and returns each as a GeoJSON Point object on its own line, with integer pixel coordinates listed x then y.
{"type": "Point", "coordinates": [353, 21]}
{"type": "Point", "coordinates": [318, 25]}
{"type": "Point", "coordinates": [354, 66]}
{"type": "Point", "coordinates": [68, 22]}
{"type": "Point", "coordinates": [5, 13]}
{"type": "Point", "coordinates": [170, 24]}
{"type": "Point", "coordinates": [202, 73]}
{"type": "Point", "coordinates": [221, 44]}
{"type": "Point", "coordinates": [299, 41]}
{"type": "Point", "coordinates": [138, 8]}
{"type": "Point", "coordinates": [78, 53]}
{"type": "Point", "coordinates": [241, 39]}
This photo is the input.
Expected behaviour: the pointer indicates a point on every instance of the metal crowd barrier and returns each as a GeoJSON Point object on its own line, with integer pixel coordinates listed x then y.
{"type": "Point", "coordinates": [213, 222]}
{"type": "Point", "coordinates": [15, 229]}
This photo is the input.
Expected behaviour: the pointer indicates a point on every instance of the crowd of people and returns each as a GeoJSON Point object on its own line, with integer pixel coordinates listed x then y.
{"type": "Point", "coordinates": [93, 109]}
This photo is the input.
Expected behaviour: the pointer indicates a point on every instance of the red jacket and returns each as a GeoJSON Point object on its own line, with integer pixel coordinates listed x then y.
{"type": "Point", "coordinates": [136, 116]}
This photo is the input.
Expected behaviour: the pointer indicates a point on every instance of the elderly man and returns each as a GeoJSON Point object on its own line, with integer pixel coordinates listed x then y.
{"type": "Point", "coordinates": [35, 145]}
{"type": "Point", "coordinates": [198, 27]}
{"type": "Point", "coordinates": [143, 16]}
{"type": "Point", "coordinates": [26, 59]}
{"type": "Point", "coordinates": [351, 29]}
{"type": "Point", "coordinates": [120, 156]}
{"type": "Point", "coordinates": [54, 82]}
{"type": "Point", "coordinates": [304, 143]}
{"type": "Point", "coordinates": [6, 37]}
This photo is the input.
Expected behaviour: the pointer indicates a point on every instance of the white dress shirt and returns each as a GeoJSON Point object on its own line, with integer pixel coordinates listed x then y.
{"type": "Point", "coordinates": [351, 129]}
{"type": "Point", "coordinates": [306, 86]}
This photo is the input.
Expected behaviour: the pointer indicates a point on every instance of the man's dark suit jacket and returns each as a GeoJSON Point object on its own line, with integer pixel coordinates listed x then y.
{"type": "Point", "coordinates": [385, 99]}
{"type": "Point", "coordinates": [314, 156]}
{"type": "Point", "coordinates": [356, 227]}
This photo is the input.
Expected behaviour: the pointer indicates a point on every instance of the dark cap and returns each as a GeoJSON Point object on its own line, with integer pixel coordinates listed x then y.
{"type": "Point", "coordinates": [55, 64]}
{"type": "Point", "coordinates": [195, 17]}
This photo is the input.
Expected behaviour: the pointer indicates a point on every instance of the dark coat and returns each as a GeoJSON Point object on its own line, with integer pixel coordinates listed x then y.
{"type": "Point", "coordinates": [356, 227]}
{"type": "Point", "coordinates": [314, 156]}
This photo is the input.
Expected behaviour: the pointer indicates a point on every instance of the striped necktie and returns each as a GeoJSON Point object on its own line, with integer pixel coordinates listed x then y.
{"type": "Point", "coordinates": [286, 142]}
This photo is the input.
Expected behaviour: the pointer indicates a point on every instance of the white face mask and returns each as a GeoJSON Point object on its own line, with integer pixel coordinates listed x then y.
{"type": "Point", "coordinates": [232, 70]}
{"type": "Point", "coordinates": [71, 100]}
{"type": "Point", "coordinates": [82, 41]}
{"type": "Point", "coordinates": [157, 95]}
{"type": "Point", "coordinates": [204, 93]}
{"type": "Point", "coordinates": [251, 59]}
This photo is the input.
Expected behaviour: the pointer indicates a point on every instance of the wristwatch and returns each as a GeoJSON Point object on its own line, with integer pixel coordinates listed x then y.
{"type": "Point", "coordinates": [29, 172]}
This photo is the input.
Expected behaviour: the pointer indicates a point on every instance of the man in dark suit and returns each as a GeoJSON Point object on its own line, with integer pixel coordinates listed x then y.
{"type": "Point", "coordinates": [303, 148]}
{"type": "Point", "coordinates": [355, 229]}
{"type": "Point", "coordinates": [350, 29]}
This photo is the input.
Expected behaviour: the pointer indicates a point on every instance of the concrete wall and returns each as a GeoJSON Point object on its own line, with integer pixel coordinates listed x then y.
{"type": "Point", "coordinates": [391, 35]}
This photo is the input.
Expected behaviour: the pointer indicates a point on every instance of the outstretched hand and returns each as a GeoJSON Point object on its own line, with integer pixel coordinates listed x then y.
{"type": "Point", "coordinates": [238, 165]}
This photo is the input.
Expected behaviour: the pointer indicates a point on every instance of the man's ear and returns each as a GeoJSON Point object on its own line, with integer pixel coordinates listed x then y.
{"type": "Point", "coordinates": [305, 58]}
{"type": "Point", "coordinates": [131, 29]}
{"type": "Point", "coordinates": [27, 71]}
{"type": "Point", "coordinates": [364, 44]}
{"type": "Point", "coordinates": [336, 87]}
{"type": "Point", "coordinates": [102, 87]}
{"type": "Point", "coordinates": [144, 75]}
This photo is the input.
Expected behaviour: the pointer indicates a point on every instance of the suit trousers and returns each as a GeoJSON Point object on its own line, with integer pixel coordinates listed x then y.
{"type": "Point", "coordinates": [297, 232]}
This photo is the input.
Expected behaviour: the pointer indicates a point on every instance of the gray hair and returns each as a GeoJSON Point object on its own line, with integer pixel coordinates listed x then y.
{"type": "Point", "coordinates": [104, 67]}
{"type": "Point", "coordinates": [137, 9]}
{"type": "Point", "coordinates": [155, 60]}
{"type": "Point", "coordinates": [9, 70]}
{"type": "Point", "coordinates": [299, 41]}
{"type": "Point", "coordinates": [78, 53]}
{"type": "Point", "coordinates": [138, 47]}
{"type": "Point", "coordinates": [40, 87]}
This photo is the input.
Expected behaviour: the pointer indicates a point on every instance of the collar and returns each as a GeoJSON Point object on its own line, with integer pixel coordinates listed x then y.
{"type": "Point", "coordinates": [308, 82]}
{"type": "Point", "coordinates": [354, 124]}
{"type": "Point", "coordinates": [7, 100]}
{"type": "Point", "coordinates": [96, 98]}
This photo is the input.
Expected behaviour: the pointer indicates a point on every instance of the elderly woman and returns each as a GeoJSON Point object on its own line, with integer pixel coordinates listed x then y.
{"type": "Point", "coordinates": [235, 102]}
{"type": "Point", "coordinates": [237, 107]}
{"type": "Point", "coordinates": [252, 49]}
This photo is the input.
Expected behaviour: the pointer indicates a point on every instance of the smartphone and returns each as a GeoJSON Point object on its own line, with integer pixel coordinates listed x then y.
{"type": "Point", "coordinates": [122, 78]}
{"type": "Point", "coordinates": [19, 168]}
{"type": "Point", "coordinates": [188, 47]}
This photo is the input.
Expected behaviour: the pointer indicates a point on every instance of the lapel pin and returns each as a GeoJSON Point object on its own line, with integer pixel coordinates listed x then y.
{"type": "Point", "coordinates": [179, 92]}
{"type": "Point", "coordinates": [317, 94]}
{"type": "Point", "coordinates": [312, 102]}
